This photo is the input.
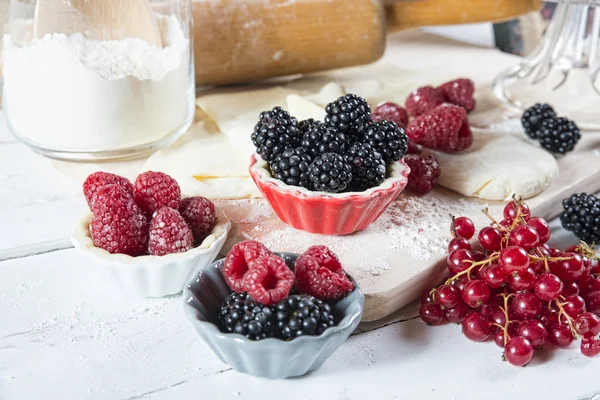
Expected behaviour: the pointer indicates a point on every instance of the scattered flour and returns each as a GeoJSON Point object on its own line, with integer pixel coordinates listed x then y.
{"type": "Point", "coordinates": [412, 229]}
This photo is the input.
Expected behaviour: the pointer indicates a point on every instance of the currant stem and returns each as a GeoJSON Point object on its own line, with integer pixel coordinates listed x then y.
{"type": "Point", "coordinates": [489, 260]}
{"type": "Point", "coordinates": [569, 320]}
{"type": "Point", "coordinates": [504, 309]}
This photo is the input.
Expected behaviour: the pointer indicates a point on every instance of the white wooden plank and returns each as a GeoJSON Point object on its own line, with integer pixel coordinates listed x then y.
{"type": "Point", "coordinates": [67, 334]}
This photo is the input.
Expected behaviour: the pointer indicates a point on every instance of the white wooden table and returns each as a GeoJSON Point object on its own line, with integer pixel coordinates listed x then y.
{"type": "Point", "coordinates": [66, 334]}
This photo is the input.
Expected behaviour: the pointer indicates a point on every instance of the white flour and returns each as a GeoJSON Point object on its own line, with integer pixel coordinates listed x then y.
{"type": "Point", "coordinates": [72, 93]}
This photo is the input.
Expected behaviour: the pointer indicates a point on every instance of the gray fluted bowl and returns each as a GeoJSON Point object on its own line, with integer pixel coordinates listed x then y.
{"type": "Point", "coordinates": [270, 358]}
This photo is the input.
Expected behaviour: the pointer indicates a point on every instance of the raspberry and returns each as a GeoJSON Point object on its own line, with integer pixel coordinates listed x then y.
{"type": "Point", "coordinates": [325, 258]}
{"type": "Point", "coordinates": [445, 128]}
{"type": "Point", "coordinates": [413, 148]}
{"type": "Point", "coordinates": [99, 179]}
{"type": "Point", "coordinates": [319, 281]}
{"type": "Point", "coordinates": [154, 190]}
{"type": "Point", "coordinates": [423, 100]}
{"type": "Point", "coordinates": [118, 224]}
{"type": "Point", "coordinates": [169, 233]}
{"type": "Point", "coordinates": [236, 262]}
{"type": "Point", "coordinates": [459, 92]}
{"type": "Point", "coordinates": [269, 280]}
{"type": "Point", "coordinates": [199, 213]}
{"type": "Point", "coordinates": [391, 112]}
{"type": "Point", "coordinates": [423, 172]}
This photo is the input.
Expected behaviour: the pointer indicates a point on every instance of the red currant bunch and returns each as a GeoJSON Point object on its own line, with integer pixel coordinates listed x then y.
{"type": "Point", "coordinates": [517, 290]}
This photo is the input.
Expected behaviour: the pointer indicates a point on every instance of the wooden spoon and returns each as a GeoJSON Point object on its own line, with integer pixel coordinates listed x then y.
{"type": "Point", "coordinates": [97, 19]}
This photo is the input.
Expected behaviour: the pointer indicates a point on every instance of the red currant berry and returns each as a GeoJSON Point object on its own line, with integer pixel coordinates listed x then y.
{"type": "Point", "coordinates": [459, 243]}
{"type": "Point", "coordinates": [431, 314]}
{"type": "Point", "coordinates": [549, 317]}
{"type": "Point", "coordinates": [463, 227]}
{"type": "Point", "coordinates": [554, 252]}
{"type": "Point", "coordinates": [526, 305]}
{"type": "Point", "coordinates": [476, 327]}
{"type": "Point", "coordinates": [479, 256]}
{"type": "Point", "coordinates": [499, 338]}
{"type": "Point", "coordinates": [587, 265]}
{"type": "Point", "coordinates": [427, 298]}
{"type": "Point", "coordinates": [497, 316]}
{"type": "Point", "coordinates": [513, 327]}
{"type": "Point", "coordinates": [587, 323]}
{"type": "Point", "coordinates": [460, 282]}
{"type": "Point", "coordinates": [574, 305]}
{"type": "Point", "coordinates": [475, 293]}
{"type": "Point", "coordinates": [459, 260]}
{"type": "Point", "coordinates": [487, 309]}
{"type": "Point", "coordinates": [570, 288]}
{"type": "Point", "coordinates": [535, 332]}
{"type": "Point", "coordinates": [547, 286]}
{"type": "Point", "coordinates": [589, 284]}
{"type": "Point", "coordinates": [456, 314]}
{"type": "Point", "coordinates": [590, 346]}
{"type": "Point", "coordinates": [542, 228]}
{"type": "Point", "coordinates": [523, 280]}
{"type": "Point", "coordinates": [518, 351]}
{"type": "Point", "coordinates": [447, 296]}
{"type": "Point", "coordinates": [541, 251]}
{"type": "Point", "coordinates": [490, 238]}
{"type": "Point", "coordinates": [506, 223]}
{"type": "Point", "coordinates": [560, 336]}
{"type": "Point", "coordinates": [592, 302]}
{"type": "Point", "coordinates": [568, 270]}
{"type": "Point", "coordinates": [524, 236]}
{"type": "Point", "coordinates": [595, 267]}
{"type": "Point", "coordinates": [514, 258]}
{"type": "Point", "coordinates": [511, 210]}
{"type": "Point", "coordinates": [493, 275]}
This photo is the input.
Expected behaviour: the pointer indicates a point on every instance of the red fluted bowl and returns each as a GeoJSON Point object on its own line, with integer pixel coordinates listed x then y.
{"type": "Point", "coordinates": [328, 213]}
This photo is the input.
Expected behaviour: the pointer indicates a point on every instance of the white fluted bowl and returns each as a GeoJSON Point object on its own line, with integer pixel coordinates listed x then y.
{"type": "Point", "coordinates": [152, 276]}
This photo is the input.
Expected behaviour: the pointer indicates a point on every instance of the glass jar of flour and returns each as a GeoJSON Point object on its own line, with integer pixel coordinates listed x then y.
{"type": "Point", "coordinates": [103, 79]}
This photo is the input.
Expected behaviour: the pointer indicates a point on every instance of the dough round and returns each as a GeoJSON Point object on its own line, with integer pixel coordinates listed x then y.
{"type": "Point", "coordinates": [496, 167]}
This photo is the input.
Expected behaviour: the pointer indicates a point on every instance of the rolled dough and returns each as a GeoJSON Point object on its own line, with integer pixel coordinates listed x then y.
{"type": "Point", "coordinates": [496, 167]}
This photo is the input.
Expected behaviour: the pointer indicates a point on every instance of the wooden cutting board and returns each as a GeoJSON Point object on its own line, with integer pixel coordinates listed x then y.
{"type": "Point", "coordinates": [402, 254]}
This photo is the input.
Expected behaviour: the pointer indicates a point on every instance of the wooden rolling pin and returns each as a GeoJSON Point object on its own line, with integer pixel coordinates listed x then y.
{"type": "Point", "coordinates": [240, 41]}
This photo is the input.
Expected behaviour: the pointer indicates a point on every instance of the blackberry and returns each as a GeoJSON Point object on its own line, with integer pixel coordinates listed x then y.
{"type": "Point", "coordinates": [581, 215]}
{"type": "Point", "coordinates": [368, 166]}
{"type": "Point", "coordinates": [240, 314]}
{"type": "Point", "coordinates": [350, 114]}
{"type": "Point", "coordinates": [388, 139]}
{"type": "Point", "coordinates": [291, 167]}
{"type": "Point", "coordinates": [330, 173]}
{"type": "Point", "coordinates": [275, 131]}
{"type": "Point", "coordinates": [534, 116]}
{"type": "Point", "coordinates": [321, 139]}
{"type": "Point", "coordinates": [559, 135]}
{"type": "Point", "coordinates": [302, 315]}
{"type": "Point", "coordinates": [306, 125]}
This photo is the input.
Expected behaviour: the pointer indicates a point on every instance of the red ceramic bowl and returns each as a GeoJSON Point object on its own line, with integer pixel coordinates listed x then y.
{"type": "Point", "coordinates": [328, 213]}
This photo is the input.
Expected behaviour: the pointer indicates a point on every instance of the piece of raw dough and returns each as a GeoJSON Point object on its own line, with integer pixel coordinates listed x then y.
{"type": "Point", "coordinates": [236, 113]}
{"type": "Point", "coordinates": [302, 108]}
{"type": "Point", "coordinates": [206, 164]}
{"type": "Point", "coordinates": [328, 93]}
{"type": "Point", "coordinates": [496, 167]}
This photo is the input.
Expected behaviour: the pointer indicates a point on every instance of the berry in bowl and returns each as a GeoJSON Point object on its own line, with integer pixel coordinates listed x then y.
{"type": "Point", "coordinates": [334, 177]}
{"type": "Point", "coordinates": [148, 239]}
{"type": "Point", "coordinates": [274, 315]}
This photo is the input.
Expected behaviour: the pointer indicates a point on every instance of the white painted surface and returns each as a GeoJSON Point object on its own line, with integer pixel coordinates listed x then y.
{"type": "Point", "coordinates": [65, 333]}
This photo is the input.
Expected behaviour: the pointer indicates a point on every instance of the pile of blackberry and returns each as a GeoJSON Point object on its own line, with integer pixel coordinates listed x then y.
{"type": "Point", "coordinates": [346, 152]}
{"type": "Point", "coordinates": [557, 135]}
{"type": "Point", "coordinates": [297, 315]}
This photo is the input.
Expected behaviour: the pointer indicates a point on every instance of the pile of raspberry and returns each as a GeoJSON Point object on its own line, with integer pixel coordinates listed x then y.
{"type": "Point", "coordinates": [434, 118]}
{"type": "Point", "coordinates": [270, 299]}
{"type": "Point", "coordinates": [518, 291]}
{"type": "Point", "coordinates": [146, 217]}
{"type": "Point", "coordinates": [348, 151]}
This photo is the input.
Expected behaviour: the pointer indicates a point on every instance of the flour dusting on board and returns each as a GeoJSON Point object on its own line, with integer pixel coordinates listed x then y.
{"type": "Point", "coordinates": [412, 228]}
